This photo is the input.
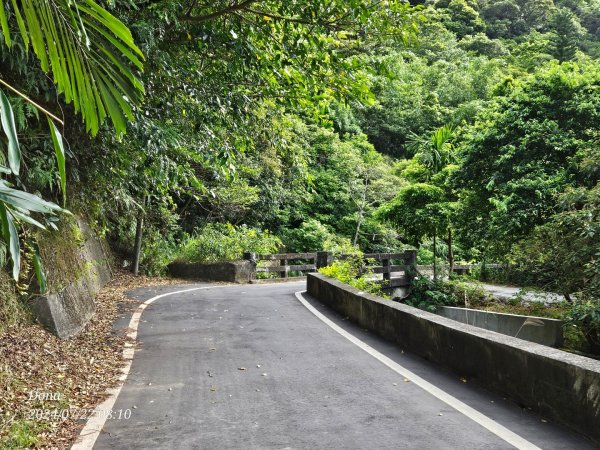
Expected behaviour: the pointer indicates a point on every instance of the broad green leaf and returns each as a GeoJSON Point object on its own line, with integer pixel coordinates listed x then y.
{"type": "Point", "coordinates": [23, 216]}
{"type": "Point", "coordinates": [21, 23]}
{"type": "Point", "coordinates": [11, 236]}
{"type": "Point", "coordinates": [39, 269]}
{"type": "Point", "coordinates": [4, 24]}
{"type": "Point", "coordinates": [79, 42]}
{"type": "Point", "coordinates": [8, 124]}
{"type": "Point", "coordinates": [25, 200]}
{"type": "Point", "coordinates": [59, 150]}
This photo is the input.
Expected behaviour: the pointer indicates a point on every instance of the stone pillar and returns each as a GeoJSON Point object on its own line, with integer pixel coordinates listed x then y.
{"type": "Point", "coordinates": [249, 256]}
{"type": "Point", "coordinates": [323, 259]}
{"type": "Point", "coordinates": [385, 263]}
{"type": "Point", "coordinates": [410, 260]}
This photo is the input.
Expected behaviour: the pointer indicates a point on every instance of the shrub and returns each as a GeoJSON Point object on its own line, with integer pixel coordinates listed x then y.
{"type": "Point", "coordinates": [427, 294]}
{"type": "Point", "coordinates": [467, 293]}
{"type": "Point", "coordinates": [585, 315]}
{"type": "Point", "coordinates": [226, 242]}
{"type": "Point", "coordinates": [430, 295]}
{"type": "Point", "coordinates": [352, 271]}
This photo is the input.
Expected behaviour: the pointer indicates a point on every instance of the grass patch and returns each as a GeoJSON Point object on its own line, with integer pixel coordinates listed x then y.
{"type": "Point", "coordinates": [24, 433]}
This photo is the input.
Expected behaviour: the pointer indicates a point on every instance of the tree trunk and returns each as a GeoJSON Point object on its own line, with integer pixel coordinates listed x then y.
{"type": "Point", "coordinates": [434, 256]}
{"type": "Point", "coordinates": [358, 224]}
{"type": "Point", "coordinates": [361, 212]}
{"type": "Point", "coordinates": [450, 254]}
{"type": "Point", "coordinates": [138, 243]}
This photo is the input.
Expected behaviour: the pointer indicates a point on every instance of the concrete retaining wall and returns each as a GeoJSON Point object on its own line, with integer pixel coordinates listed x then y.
{"type": "Point", "coordinates": [540, 330]}
{"type": "Point", "coordinates": [561, 386]}
{"type": "Point", "coordinates": [68, 308]}
{"type": "Point", "coordinates": [234, 272]}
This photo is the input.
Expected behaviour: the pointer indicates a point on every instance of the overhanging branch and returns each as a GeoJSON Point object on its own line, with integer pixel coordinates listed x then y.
{"type": "Point", "coordinates": [221, 12]}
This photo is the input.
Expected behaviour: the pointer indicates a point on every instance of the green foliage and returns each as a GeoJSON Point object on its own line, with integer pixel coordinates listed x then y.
{"type": "Point", "coordinates": [17, 206]}
{"type": "Point", "coordinates": [567, 33]}
{"type": "Point", "coordinates": [467, 293]}
{"type": "Point", "coordinates": [585, 315]}
{"type": "Point", "coordinates": [520, 155]}
{"type": "Point", "coordinates": [24, 434]}
{"type": "Point", "coordinates": [562, 254]}
{"type": "Point", "coordinates": [462, 17]}
{"type": "Point", "coordinates": [214, 243]}
{"type": "Point", "coordinates": [418, 210]}
{"type": "Point", "coordinates": [427, 294]}
{"type": "Point", "coordinates": [352, 270]}
{"type": "Point", "coordinates": [81, 44]}
{"type": "Point", "coordinates": [312, 235]}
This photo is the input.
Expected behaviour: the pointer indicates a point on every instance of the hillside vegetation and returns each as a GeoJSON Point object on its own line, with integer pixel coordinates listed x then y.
{"type": "Point", "coordinates": [464, 128]}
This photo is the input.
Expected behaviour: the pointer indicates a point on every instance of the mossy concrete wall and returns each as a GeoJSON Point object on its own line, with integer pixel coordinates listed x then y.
{"type": "Point", "coordinates": [562, 386]}
{"type": "Point", "coordinates": [77, 265]}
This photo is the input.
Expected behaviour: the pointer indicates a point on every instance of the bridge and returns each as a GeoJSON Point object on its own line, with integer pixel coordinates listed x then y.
{"type": "Point", "coordinates": [261, 366]}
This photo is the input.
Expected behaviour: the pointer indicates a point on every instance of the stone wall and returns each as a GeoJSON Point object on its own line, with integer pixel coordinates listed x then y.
{"type": "Point", "coordinates": [233, 272]}
{"type": "Point", "coordinates": [77, 265]}
{"type": "Point", "coordinates": [561, 386]}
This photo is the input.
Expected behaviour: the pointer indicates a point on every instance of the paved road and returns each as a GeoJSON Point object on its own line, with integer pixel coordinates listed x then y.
{"type": "Point", "coordinates": [303, 386]}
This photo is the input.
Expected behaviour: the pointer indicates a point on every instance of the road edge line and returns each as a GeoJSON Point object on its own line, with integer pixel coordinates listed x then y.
{"type": "Point", "coordinates": [94, 425]}
{"type": "Point", "coordinates": [481, 419]}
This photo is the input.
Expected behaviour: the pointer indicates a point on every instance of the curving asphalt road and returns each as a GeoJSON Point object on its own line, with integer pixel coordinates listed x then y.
{"type": "Point", "coordinates": [250, 367]}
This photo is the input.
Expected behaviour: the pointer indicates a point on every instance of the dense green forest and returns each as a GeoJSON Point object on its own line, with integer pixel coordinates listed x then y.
{"type": "Point", "coordinates": [464, 127]}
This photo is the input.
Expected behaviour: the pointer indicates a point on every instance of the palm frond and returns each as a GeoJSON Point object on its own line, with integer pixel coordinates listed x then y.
{"type": "Point", "coordinates": [89, 52]}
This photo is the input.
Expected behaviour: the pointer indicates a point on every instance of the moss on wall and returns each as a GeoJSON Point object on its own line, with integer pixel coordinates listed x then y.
{"type": "Point", "coordinates": [12, 306]}
{"type": "Point", "coordinates": [65, 261]}
{"type": "Point", "coordinates": [63, 254]}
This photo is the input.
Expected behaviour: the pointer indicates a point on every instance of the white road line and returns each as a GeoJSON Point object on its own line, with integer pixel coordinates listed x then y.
{"type": "Point", "coordinates": [491, 425]}
{"type": "Point", "coordinates": [96, 422]}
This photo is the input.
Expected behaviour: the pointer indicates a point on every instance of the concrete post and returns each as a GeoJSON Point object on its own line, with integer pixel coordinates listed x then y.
{"type": "Point", "coordinates": [386, 269]}
{"type": "Point", "coordinates": [410, 260]}
{"type": "Point", "coordinates": [323, 259]}
{"type": "Point", "coordinates": [249, 256]}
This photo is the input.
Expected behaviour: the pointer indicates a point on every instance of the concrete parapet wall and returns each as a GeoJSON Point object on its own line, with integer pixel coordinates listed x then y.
{"type": "Point", "coordinates": [68, 307]}
{"type": "Point", "coordinates": [234, 272]}
{"type": "Point", "coordinates": [561, 386]}
{"type": "Point", "coordinates": [540, 330]}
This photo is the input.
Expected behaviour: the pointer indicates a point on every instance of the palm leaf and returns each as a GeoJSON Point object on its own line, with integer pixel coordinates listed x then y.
{"type": "Point", "coordinates": [59, 150]}
{"type": "Point", "coordinates": [11, 236]}
{"type": "Point", "coordinates": [8, 125]}
{"type": "Point", "coordinates": [84, 47]}
{"type": "Point", "coordinates": [39, 269]}
{"type": "Point", "coordinates": [26, 201]}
